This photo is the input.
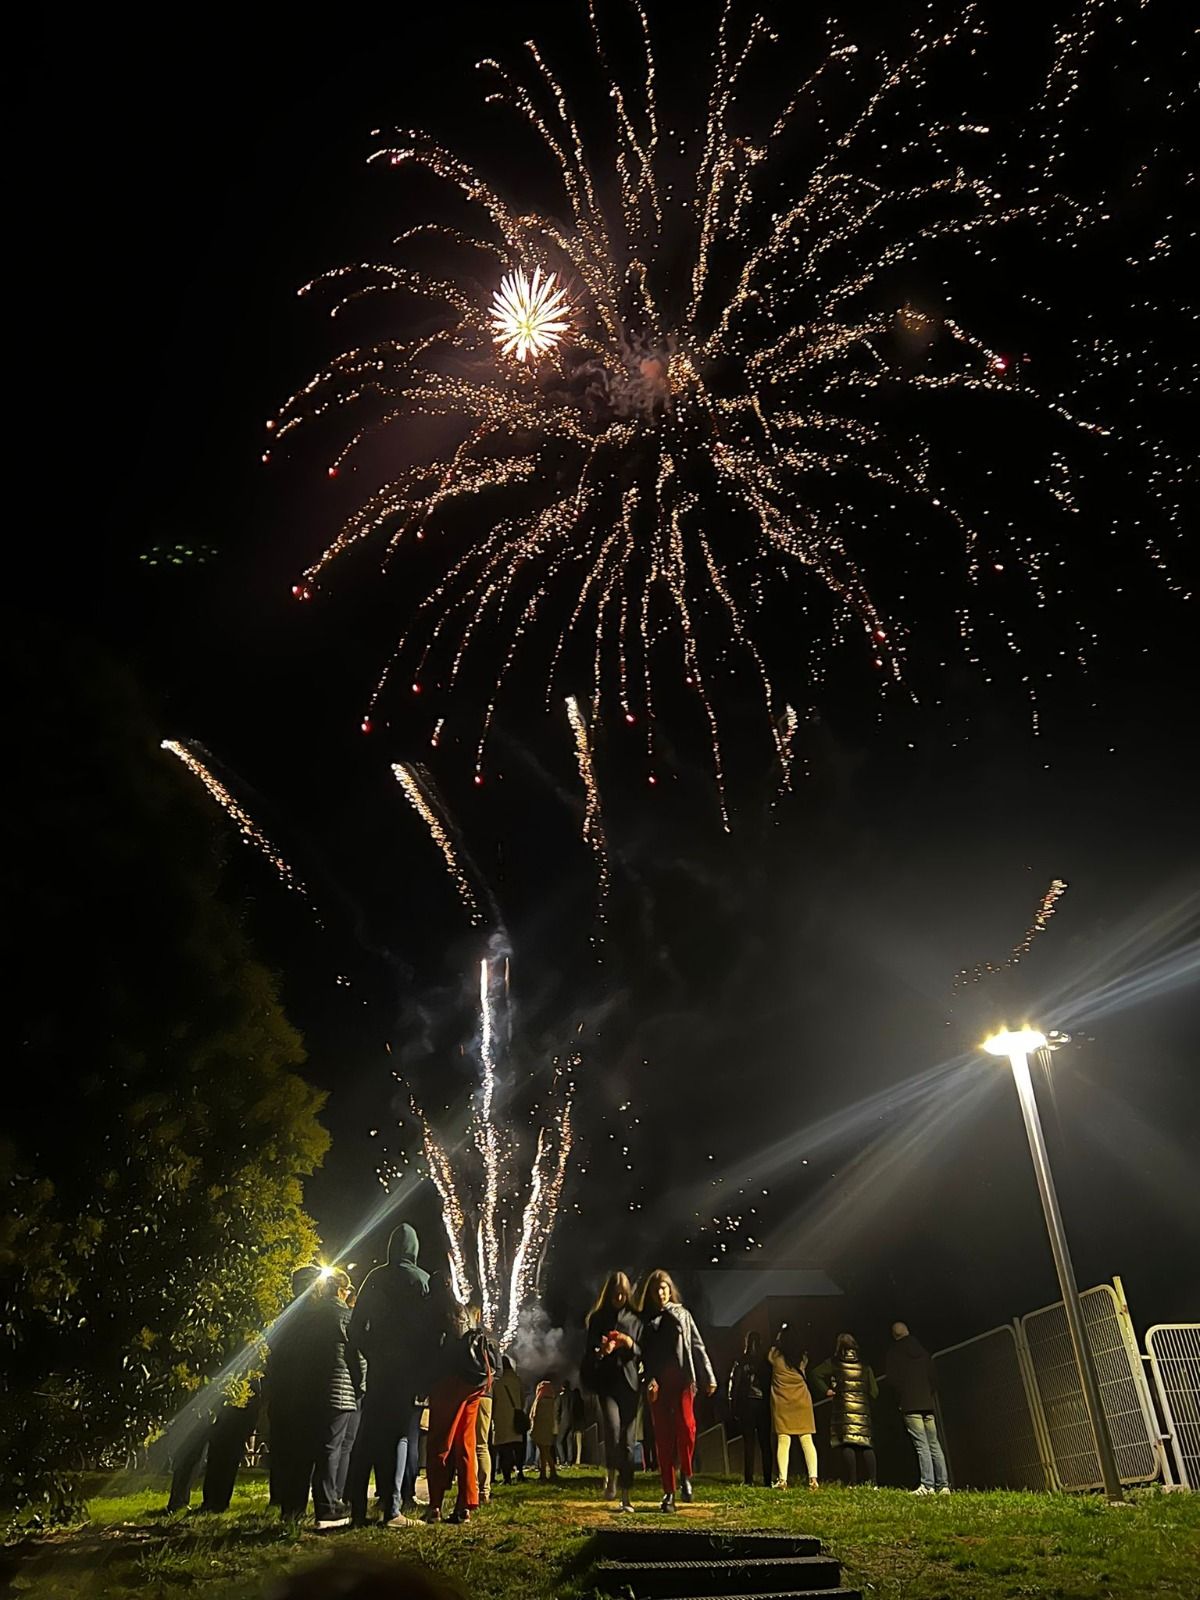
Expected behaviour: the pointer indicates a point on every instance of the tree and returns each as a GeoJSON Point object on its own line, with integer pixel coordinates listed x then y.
{"type": "Point", "coordinates": [153, 1161]}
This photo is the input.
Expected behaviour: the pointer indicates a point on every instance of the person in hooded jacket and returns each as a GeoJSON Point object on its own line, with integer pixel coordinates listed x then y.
{"type": "Point", "coordinates": [391, 1327]}
{"type": "Point", "coordinates": [850, 1381]}
{"type": "Point", "coordinates": [612, 1371]}
{"type": "Point", "coordinates": [675, 1364]}
{"type": "Point", "coordinates": [750, 1406]}
{"type": "Point", "coordinates": [910, 1373]}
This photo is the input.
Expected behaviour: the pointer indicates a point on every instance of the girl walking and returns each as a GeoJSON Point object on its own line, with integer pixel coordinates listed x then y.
{"type": "Point", "coordinates": [611, 1370]}
{"type": "Point", "coordinates": [675, 1363]}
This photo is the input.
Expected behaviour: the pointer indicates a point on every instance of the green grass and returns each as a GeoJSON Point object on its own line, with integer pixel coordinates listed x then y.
{"type": "Point", "coordinates": [528, 1544]}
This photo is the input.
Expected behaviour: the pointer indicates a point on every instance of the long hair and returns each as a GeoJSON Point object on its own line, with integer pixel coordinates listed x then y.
{"type": "Point", "coordinates": [753, 1338]}
{"type": "Point", "coordinates": [652, 1281]}
{"type": "Point", "coordinates": [846, 1342]}
{"type": "Point", "coordinates": [614, 1281]}
{"type": "Point", "coordinates": [791, 1347]}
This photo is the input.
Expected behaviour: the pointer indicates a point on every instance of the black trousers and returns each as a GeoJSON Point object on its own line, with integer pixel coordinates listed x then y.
{"type": "Point", "coordinates": [226, 1448]}
{"type": "Point", "coordinates": [511, 1457]}
{"type": "Point", "coordinates": [334, 1431]}
{"type": "Point", "coordinates": [224, 1440]}
{"type": "Point", "coordinates": [858, 1463]}
{"type": "Point", "coordinates": [618, 1418]}
{"type": "Point", "coordinates": [384, 1423]}
{"type": "Point", "coordinates": [755, 1429]}
{"type": "Point", "coordinates": [297, 1436]}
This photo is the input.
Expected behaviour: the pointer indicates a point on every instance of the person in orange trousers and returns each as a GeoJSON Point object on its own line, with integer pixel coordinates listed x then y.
{"type": "Point", "coordinates": [465, 1368]}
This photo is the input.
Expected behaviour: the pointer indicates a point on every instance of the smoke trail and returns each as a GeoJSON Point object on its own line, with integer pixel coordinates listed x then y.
{"type": "Point", "coordinates": [249, 830]}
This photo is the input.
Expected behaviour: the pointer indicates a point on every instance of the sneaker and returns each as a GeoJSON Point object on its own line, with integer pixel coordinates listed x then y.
{"type": "Point", "coordinates": [780, 1483]}
{"type": "Point", "coordinates": [332, 1522]}
{"type": "Point", "coordinates": [923, 1489]}
{"type": "Point", "coordinates": [460, 1514]}
{"type": "Point", "coordinates": [945, 1489]}
{"type": "Point", "coordinates": [610, 1491]}
{"type": "Point", "coordinates": [685, 1491]}
{"type": "Point", "coordinates": [399, 1521]}
{"type": "Point", "coordinates": [813, 1484]}
{"type": "Point", "coordinates": [628, 1507]}
{"type": "Point", "coordinates": [432, 1515]}
{"type": "Point", "coordinates": [668, 1503]}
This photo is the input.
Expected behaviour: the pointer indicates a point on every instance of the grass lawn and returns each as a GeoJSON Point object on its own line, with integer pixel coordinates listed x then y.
{"type": "Point", "coordinates": [528, 1543]}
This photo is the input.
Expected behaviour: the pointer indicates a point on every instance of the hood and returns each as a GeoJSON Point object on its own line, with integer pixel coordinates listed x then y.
{"type": "Point", "coordinates": [403, 1246]}
{"type": "Point", "coordinates": [911, 1348]}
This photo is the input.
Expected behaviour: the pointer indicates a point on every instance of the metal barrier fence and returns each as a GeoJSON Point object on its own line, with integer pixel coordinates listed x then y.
{"type": "Point", "coordinates": [1123, 1392]}
{"type": "Point", "coordinates": [1012, 1410]}
{"type": "Point", "coordinates": [1173, 1349]}
{"type": "Point", "coordinates": [987, 1424]}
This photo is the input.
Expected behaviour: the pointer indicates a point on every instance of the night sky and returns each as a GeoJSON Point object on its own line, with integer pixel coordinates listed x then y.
{"type": "Point", "coordinates": [757, 987]}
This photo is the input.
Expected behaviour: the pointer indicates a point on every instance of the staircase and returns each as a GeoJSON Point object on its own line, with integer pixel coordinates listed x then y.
{"type": "Point", "coordinates": [706, 1564]}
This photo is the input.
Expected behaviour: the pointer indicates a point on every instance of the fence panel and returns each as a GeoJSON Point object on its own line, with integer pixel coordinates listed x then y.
{"type": "Point", "coordinates": [1118, 1369]}
{"type": "Point", "coordinates": [987, 1421]}
{"type": "Point", "coordinates": [1174, 1351]}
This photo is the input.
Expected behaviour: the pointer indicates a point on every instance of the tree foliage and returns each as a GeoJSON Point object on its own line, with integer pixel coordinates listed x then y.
{"type": "Point", "coordinates": [152, 1171]}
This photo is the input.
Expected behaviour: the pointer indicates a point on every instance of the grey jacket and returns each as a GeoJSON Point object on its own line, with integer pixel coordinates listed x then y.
{"type": "Point", "coordinates": [688, 1352]}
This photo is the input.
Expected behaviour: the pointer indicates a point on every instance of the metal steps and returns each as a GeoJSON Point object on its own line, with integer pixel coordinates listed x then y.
{"type": "Point", "coordinates": [707, 1564]}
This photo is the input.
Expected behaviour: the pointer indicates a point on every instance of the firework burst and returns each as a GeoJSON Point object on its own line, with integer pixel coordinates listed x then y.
{"type": "Point", "coordinates": [529, 316]}
{"type": "Point", "coordinates": [710, 468]}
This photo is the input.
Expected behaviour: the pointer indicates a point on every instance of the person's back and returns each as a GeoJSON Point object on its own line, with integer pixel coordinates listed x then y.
{"type": "Point", "coordinates": [910, 1372]}
{"type": "Point", "coordinates": [390, 1324]}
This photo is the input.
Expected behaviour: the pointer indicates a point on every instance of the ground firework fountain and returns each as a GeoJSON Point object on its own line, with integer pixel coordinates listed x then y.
{"type": "Point", "coordinates": [499, 1198]}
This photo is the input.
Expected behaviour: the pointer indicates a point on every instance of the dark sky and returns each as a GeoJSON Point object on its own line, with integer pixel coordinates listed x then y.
{"type": "Point", "coordinates": [178, 188]}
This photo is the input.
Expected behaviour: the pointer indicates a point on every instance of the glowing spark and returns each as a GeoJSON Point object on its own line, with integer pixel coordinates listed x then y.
{"type": "Point", "coordinates": [593, 821]}
{"type": "Point", "coordinates": [250, 831]}
{"type": "Point", "coordinates": [529, 316]}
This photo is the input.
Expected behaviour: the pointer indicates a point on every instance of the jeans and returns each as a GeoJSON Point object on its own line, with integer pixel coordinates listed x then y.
{"type": "Point", "coordinates": [618, 1418]}
{"type": "Point", "coordinates": [336, 1427]}
{"type": "Point", "coordinates": [922, 1430]}
{"type": "Point", "coordinates": [387, 1433]}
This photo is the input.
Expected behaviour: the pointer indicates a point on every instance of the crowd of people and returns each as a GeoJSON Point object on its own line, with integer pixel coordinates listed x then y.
{"type": "Point", "coordinates": [355, 1382]}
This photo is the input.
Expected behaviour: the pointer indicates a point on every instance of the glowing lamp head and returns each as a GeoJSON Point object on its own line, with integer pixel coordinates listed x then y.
{"type": "Point", "coordinates": [529, 315]}
{"type": "Point", "coordinates": [1015, 1042]}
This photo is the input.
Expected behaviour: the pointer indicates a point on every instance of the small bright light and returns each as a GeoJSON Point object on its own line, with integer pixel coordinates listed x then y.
{"type": "Point", "coordinates": [1015, 1042]}
{"type": "Point", "coordinates": [327, 1272]}
{"type": "Point", "coordinates": [529, 317]}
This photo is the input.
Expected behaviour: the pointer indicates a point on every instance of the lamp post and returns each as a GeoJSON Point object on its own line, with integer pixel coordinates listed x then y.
{"type": "Point", "coordinates": [1016, 1045]}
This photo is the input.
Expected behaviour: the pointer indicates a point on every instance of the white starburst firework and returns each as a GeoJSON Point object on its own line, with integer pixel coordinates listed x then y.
{"type": "Point", "coordinates": [529, 315]}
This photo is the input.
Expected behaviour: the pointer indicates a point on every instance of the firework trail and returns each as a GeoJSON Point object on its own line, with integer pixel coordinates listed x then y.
{"type": "Point", "coordinates": [593, 820]}
{"type": "Point", "coordinates": [1045, 910]}
{"type": "Point", "coordinates": [479, 1186]}
{"type": "Point", "coordinates": [627, 403]}
{"type": "Point", "coordinates": [249, 830]}
{"type": "Point", "coordinates": [417, 783]}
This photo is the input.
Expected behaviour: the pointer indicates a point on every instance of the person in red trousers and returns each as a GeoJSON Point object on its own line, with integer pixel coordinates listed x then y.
{"type": "Point", "coordinates": [464, 1371]}
{"type": "Point", "coordinates": [675, 1363]}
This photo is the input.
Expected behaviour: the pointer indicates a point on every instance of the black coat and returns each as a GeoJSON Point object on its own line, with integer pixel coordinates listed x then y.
{"type": "Point", "coordinates": [609, 1374]}
{"type": "Point", "coordinates": [307, 1345]}
{"type": "Point", "coordinates": [910, 1373]}
{"type": "Point", "coordinates": [392, 1325]}
{"type": "Point", "coordinates": [749, 1385]}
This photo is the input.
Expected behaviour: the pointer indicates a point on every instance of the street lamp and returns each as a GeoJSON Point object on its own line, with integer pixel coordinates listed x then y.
{"type": "Point", "coordinates": [1016, 1044]}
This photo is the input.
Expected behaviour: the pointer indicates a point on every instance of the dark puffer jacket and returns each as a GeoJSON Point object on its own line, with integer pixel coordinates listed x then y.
{"type": "Point", "coordinates": [348, 1376]}
{"type": "Point", "coordinates": [852, 1384]}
